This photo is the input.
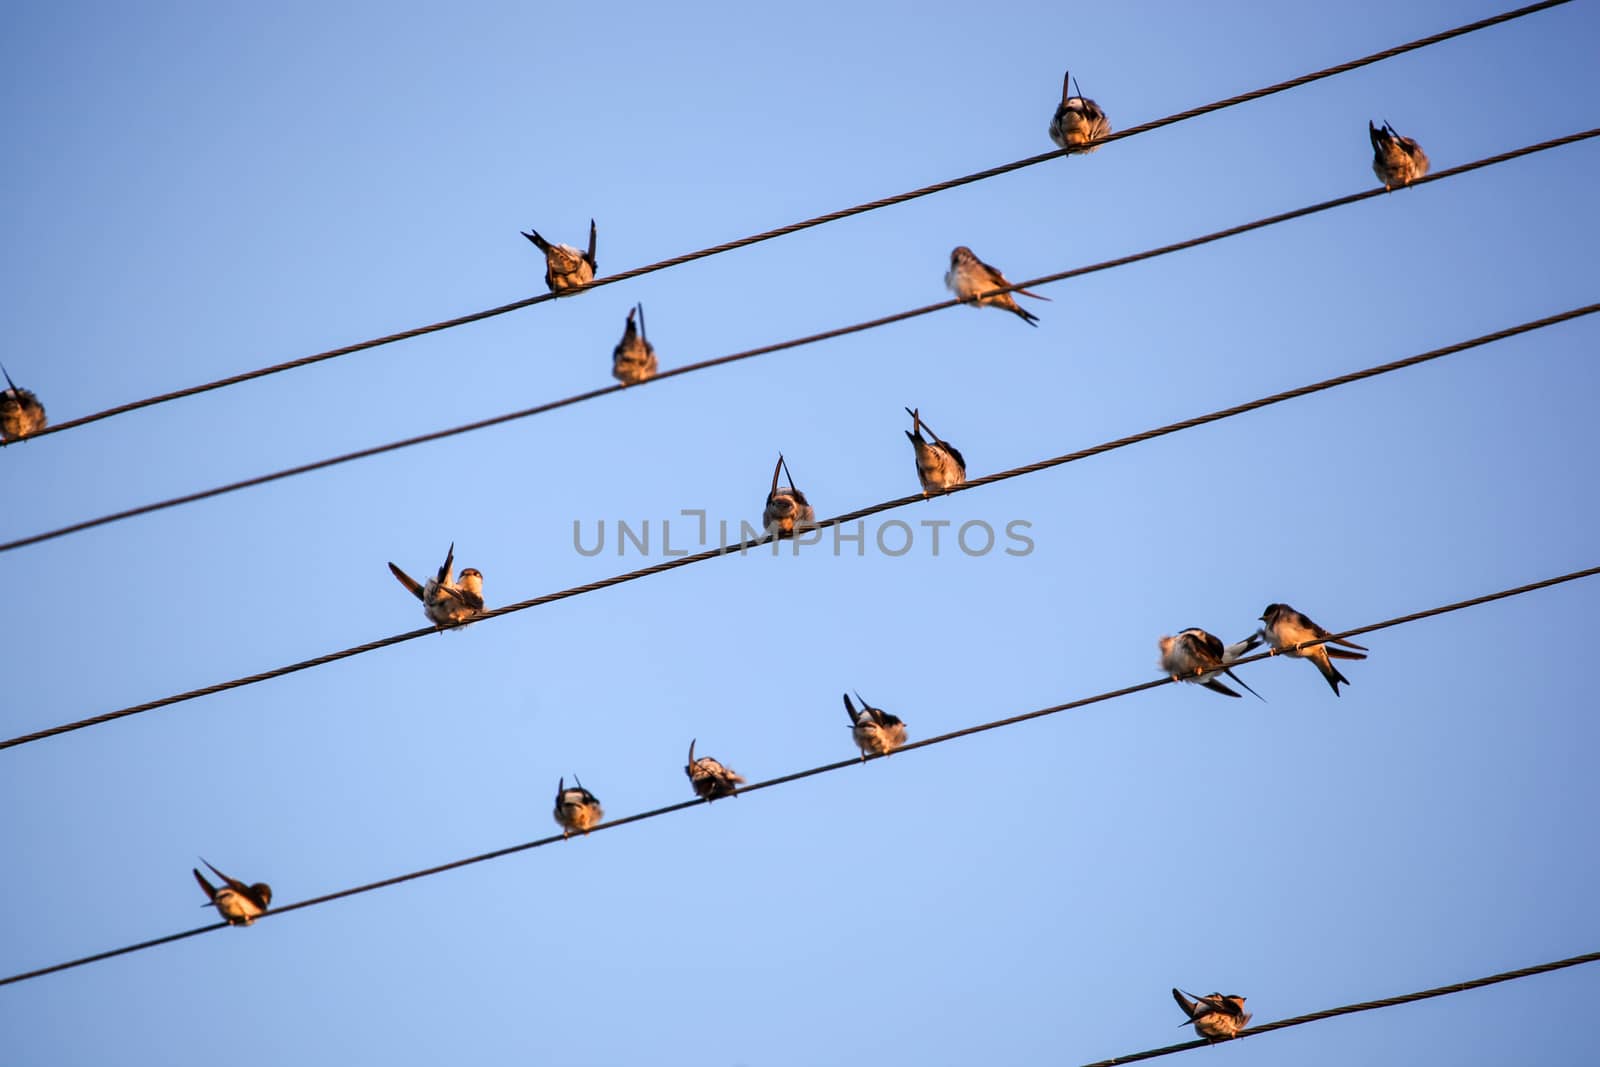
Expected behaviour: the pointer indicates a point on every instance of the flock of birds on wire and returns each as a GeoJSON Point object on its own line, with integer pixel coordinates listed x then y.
{"type": "Point", "coordinates": [1193, 655]}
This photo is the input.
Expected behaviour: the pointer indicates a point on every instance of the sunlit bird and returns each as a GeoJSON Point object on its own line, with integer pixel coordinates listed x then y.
{"type": "Point", "coordinates": [1215, 1017]}
{"type": "Point", "coordinates": [1198, 657]}
{"type": "Point", "coordinates": [1396, 160]}
{"type": "Point", "coordinates": [970, 276]}
{"type": "Point", "coordinates": [1078, 120]}
{"type": "Point", "coordinates": [564, 266]}
{"type": "Point", "coordinates": [710, 779]}
{"type": "Point", "coordinates": [236, 902]}
{"type": "Point", "coordinates": [20, 411]}
{"type": "Point", "coordinates": [787, 507]}
{"type": "Point", "coordinates": [446, 602]}
{"type": "Point", "coordinates": [939, 463]}
{"type": "Point", "coordinates": [875, 731]}
{"type": "Point", "coordinates": [576, 808]}
{"type": "Point", "coordinates": [634, 358]}
{"type": "Point", "coordinates": [1286, 627]}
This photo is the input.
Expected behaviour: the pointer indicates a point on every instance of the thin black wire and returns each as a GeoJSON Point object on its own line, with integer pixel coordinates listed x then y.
{"type": "Point", "coordinates": [826, 768]}
{"type": "Point", "coordinates": [539, 409]}
{"type": "Point", "coordinates": [743, 546]}
{"type": "Point", "coordinates": [1366, 1005]}
{"type": "Point", "coordinates": [782, 231]}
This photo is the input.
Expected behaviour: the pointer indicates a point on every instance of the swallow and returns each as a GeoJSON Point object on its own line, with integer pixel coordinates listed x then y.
{"type": "Point", "coordinates": [236, 902]}
{"type": "Point", "coordinates": [634, 358]}
{"type": "Point", "coordinates": [939, 463]}
{"type": "Point", "coordinates": [1078, 120]}
{"type": "Point", "coordinates": [1196, 656]}
{"type": "Point", "coordinates": [786, 508]}
{"type": "Point", "coordinates": [20, 411]}
{"type": "Point", "coordinates": [446, 602]}
{"type": "Point", "coordinates": [1286, 627]}
{"type": "Point", "coordinates": [576, 808]}
{"type": "Point", "coordinates": [1216, 1017]}
{"type": "Point", "coordinates": [968, 276]}
{"type": "Point", "coordinates": [874, 730]}
{"type": "Point", "coordinates": [564, 266]}
{"type": "Point", "coordinates": [1396, 160]}
{"type": "Point", "coordinates": [709, 778]}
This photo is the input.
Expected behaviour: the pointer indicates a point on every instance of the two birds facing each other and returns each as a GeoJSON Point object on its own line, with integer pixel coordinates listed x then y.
{"type": "Point", "coordinates": [1200, 657]}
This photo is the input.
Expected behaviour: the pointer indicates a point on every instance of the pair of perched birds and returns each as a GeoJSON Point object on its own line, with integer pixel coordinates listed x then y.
{"type": "Point", "coordinates": [446, 601]}
{"type": "Point", "coordinates": [21, 413]}
{"type": "Point", "coordinates": [1199, 657]}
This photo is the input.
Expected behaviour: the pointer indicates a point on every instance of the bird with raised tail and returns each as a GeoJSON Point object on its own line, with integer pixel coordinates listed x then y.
{"type": "Point", "coordinates": [710, 779]}
{"type": "Point", "coordinates": [787, 507]}
{"type": "Point", "coordinates": [940, 465]}
{"type": "Point", "coordinates": [875, 731]}
{"type": "Point", "coordinates": [634, 358]}
{"type": "Point", "coordinates": [576, 808]}
{"type": "Point", "coordinates": [21, 413]}
{"type": "Point", "coordinates": [1198, 657]}
{"type": "Point", "coordinates": [1396, 160]}
{"type": "Point", "coordinates": [445, 601]}
{"type": "Point", "coordinates": [1078, 120]}
{"type": "Point", "coordinates": [1215, 1017]}
{"type": "Point", "coordinates": [236, 902]}
{"type": "Point", "coordinates": [565, 267]}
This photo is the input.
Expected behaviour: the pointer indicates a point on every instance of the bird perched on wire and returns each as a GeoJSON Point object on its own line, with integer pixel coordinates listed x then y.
{"type": "Point", "coordinates": [445, 601]}
{"type": "Point", "coordinates": [710, 779]}
{"type": "Point", "coordinates": [236, 902]}
{"type": "Point", "coordinates": [20, 411]}
{"type": "Point", "coordinates": [576, 808]}
{"type": "Point", "coordinates": [1078, 120]}
{"type": "Point", "coordinates": [875, 731]}
{"type": "Point", "coordinates": [1196, 656]}
{"type": "Point", "coordinates": [1396, 160]}
{"type": "Point", "coordinates": [1215, 1017]}
{"type": "Point", "coordinates": [634, 358]}
{"type": "Point", "coordinates": [564, 266]}
{"type": "Point", "coordinates": [1286, 627]}
{"type": "Point", "coordinates": [786, 507]}
{"type": "Point", "coordinates": [939, 463]}
{"type": "Point", "coordinates": [969, 276]}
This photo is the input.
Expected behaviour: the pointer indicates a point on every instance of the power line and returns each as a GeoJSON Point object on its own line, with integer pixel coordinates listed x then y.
{"type": "Point", "coordinates": [852, 516]}
{"type": "Point", "coordinates": [540, 409]}
{"type": "Point", "coordinates": [826, 768]}
{"type": "Point", "coordinates": [819, 220]}
{"type": "Point", "coordinates": [1368, 1005]}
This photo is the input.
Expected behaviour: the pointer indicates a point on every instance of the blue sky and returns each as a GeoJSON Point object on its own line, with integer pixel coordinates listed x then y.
{"type": "Point", "coordinates": [192, 192]}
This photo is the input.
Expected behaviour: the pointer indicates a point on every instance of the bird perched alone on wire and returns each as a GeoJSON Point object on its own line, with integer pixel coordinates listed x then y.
{"type": "Point", "coordinates": [875, 731]}
{"type": "Point", "coordinates": [20, 411]}
{"type": "Point", "coordinates": [710, 779]}
{"type": "Point", "coordinates": [445, 601]}
{"type": "Point", "coordinates": [1078, 120]}
{"type": "Point", "coordinates": [1396, 160]}
{"type": "Point", "coordinates": [786, 507]}
{"type": "Point", "coordinates": [576, 808]}
{"type": "Point", "coordinates": [969, 276]}
{"type": "Point", "coordinates": [1196, 656]}
{"type": "Point", "coordinates": [564, 266]}
{"type": "Point", "coordinates": [236, 902]}
{"type": "Point", "coordinates": [939, 463]}
{"type": "Point", "coordinates": [634, 358]}
{"type": "Point", "coordinates": [1286, 627]}
{"type": "Point", "coordinates": [1215, 1017]}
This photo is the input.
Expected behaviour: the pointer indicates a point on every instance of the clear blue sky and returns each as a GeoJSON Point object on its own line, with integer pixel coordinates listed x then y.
{"type": "Point", "coordinates": [192, 191]}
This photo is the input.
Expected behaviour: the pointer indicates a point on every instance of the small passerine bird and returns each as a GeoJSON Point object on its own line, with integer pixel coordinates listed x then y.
{"type": "Point", "coordinates": [634, 358]}
{"type": "Point", "coordinates": [875, 731]}
{"type": "Point", "coordinates": [445, 601]}
{"type": "Point", "coordinates": [940, 465]}
{"type": "Point", "coordinates": [576, 808]}
{"type": "Point", "coordinates": [236, 902]}
{"type": "Point", "coordinates": [970, 276]}
{"type": "Point", "coordinates": [787, 507]}
{"type": "Point", "coordinates": [711, 779]}
{"type": "Point", "coordinates": [1285, 627]}
{"type": "Point", "coordinates": [1215, 1017]}
{"type": "Point", "coordinates": [1078, 120]}
{"type": "Point", "coordinates": [1396, 160]}
{"type": "Point", "coordinates": [1196, 656]}
{"type": "Point", "coordinates": [21, 413]}
{"type": "Point", "coordinates": [564, 266]}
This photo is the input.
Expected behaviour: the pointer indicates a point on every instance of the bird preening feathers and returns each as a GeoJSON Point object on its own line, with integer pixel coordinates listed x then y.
{"type": "Point", "coordinates": [564, 266]}
{"type": "Point", "coordinates": [20, 411]}
{"type": "Point", "coordinates": [236, 902]}
{"type": "Point", "coordinates": [634, 358]}
{"type": "Point", "coordinates": [787, 507]}
{"type": "Point", "coordinates": [1196, 656]}
{"type": "Point", "coordinates": [969, 276]}
{"type": "Point", "coordinates": [1078, 120]}
{"type": "Point", "coordinates": [940, 465]}
{"type": "Point", "coordinates": [1396, 160]}
{"type": "Point", "coordinates": [576, 808]}
{"type": "Point", "coordinates": [445, 601]}
{"type": "Point", "coordinates": [875, 731]}
{"type": "Point", "coordinates": [710, 779]}
{"type": "Point", "coordinates": [1285, 628]}
{"type": "Point", "coordinates": [1215, 1017]}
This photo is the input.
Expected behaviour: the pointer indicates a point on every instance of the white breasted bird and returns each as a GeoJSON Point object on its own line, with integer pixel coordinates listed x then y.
{"type": "Point", "coordinates": [447, 602]}
{"type": "Point", "coordinates": [236, 902]}
{"type": "Point", "coordinates": [1285, 627]}
{"type": "Point", "coordinates": [634, 358]}
{"type": "Point", "coordinates": [940, 465]}
{"type": "Point", "coordinates": [709, 778]}
{"type": "Point", "coordinates": [1396, 160]}
{"type": "Point", "coordinates": [969, 276]}
{"type": "Point", "coordinates": [1196, 656]}
{"type": "Point", "coordinates": [564, 266]}
{"type": "Point", "coordinates": [1215, 1017]}
{"type": "Point", "coordinates": [576, 808]}
{"type": "Point", "coordinates": [20, 411]}
{"type": "Point", "coordinates": [787, 507]}
{"type": "Point", "coordinates": [1078, 120]}
{"type": "Point", "coordinates": [875, 731]}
